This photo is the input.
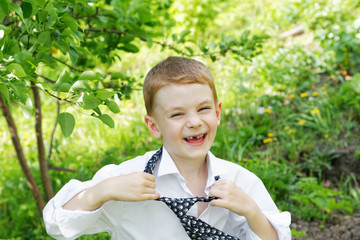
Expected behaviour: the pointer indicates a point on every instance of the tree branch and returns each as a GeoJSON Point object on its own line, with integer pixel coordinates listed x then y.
{"type": "Point", "coordinates": [59, 98]}
{"type": "Point", "coordinates": [71, 67]}
{"type": "Point", "coordinates": [53, 132]}
{"type": "Point", "coordinates": [52, 167]}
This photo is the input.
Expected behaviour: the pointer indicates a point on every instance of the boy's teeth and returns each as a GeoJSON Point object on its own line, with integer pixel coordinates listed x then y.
{"type": "Point", "coordinates": [200, 136]}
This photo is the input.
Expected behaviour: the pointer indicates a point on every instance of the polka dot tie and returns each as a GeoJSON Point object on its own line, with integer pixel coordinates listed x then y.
{"type": "Point", "coordinates": [195, 228]}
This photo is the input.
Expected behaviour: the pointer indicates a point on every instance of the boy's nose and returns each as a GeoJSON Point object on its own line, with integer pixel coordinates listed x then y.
{"type": "Point", "coordinates": [194, 121]}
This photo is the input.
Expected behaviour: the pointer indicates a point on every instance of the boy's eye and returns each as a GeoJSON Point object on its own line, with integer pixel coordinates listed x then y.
{"type": "Point", "coordinates": [176, 115]}
{"type": "Point", "coordinates": [204, 108]}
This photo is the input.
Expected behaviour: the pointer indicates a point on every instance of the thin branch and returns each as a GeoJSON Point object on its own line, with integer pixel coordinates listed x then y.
{"type": "Point", "coordinates": [105, 30]}
{"type": "Point", "coordinates": [53, 132]}
{"type": "Point", "coordinates": [71, 67]}
{"type": "Point", "coordinates": [47, 79]}
{"type": "Point", "coordinates": [59, 98]}
{"type": "Point", "coordinates": [52, 167]}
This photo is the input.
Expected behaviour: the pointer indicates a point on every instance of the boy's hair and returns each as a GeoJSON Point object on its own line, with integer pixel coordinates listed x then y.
{"type": "Point", "coordinates": [175, 70]}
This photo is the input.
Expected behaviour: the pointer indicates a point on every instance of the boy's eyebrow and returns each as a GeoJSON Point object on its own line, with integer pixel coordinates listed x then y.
{"type": "Point", "coordinates": [179, 108]}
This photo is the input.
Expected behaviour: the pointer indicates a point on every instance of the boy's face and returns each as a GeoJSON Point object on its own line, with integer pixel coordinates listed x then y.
{"type": "Point", "coordinates": [186, 118]}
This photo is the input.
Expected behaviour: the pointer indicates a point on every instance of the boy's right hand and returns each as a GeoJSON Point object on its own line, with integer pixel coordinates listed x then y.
{"type": "Point", "coordinates": [137, 186]}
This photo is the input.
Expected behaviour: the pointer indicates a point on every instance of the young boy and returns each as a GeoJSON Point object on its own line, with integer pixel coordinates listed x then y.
{"type": "Point", "coordinates": [182, 110]}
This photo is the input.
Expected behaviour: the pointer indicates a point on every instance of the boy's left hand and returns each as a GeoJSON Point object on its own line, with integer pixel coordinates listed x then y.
{"type": "Point", "coordinates": [231, 197]}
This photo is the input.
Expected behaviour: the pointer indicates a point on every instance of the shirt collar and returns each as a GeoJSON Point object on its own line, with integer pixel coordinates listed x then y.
{"type": "Point", "coordinates": [215, 167]}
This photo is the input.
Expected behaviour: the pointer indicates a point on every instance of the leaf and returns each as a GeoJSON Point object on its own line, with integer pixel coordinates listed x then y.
{"type": "Point", "coordinates": [117, 75]}
{"type": "Point", "coordinates": [104, 94]}
{"type": "Point", "coordinates": [67, 123]}
{"type": "Point", "coordinates": [4, 9]}
{"type": "Point", "coordinates": [64, 87]}
{"type": "Point", "coordinates": [5, 93]}
{"type": "Point", "coordinates": [81, 85]}
{"type": "Point", "coordinates": [113, 106]}
{"type": "Point", "coordinates": [90, 101]}
{"type": "Point", "coordinates": [28, 108]}
{"type": "Point", "coordinates": [27, 9]}
{"type": "Point", "coordinates": [26, 61]}
{"type": "Point", "coordinates": [70, 22]}
{"type": "Point", "coordinates": [130, 48]}
{"type": "Point", "coordinates": [73, 55]}
{"type": "Point", "coordinates": [183, 34]}
{"type": "Point", "coordinates": [107, 120]}
{"type": "Point", "coordinates": [63, 77]}
{"type": "Point", "coordinates": [53, 17]}
{"type": "Point", "coordinates": [16, 8]}
{"type": "Point", "coordinates": [89, 75]}
{"type": "Point", "coordinates": [17, 70]}
{"type": "Point", "coordinates": [44, 39]}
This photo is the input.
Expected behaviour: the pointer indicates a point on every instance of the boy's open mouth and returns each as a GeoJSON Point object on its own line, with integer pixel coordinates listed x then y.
{"type": "Point", "coordinates": [196, 140]}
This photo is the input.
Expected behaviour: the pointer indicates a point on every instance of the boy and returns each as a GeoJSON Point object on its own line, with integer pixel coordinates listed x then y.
{"type": "Point", "coordinates": [182, 110]}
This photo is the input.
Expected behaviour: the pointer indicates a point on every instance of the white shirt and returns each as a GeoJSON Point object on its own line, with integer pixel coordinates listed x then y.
{"type": "Point", "coordinates": [153, 220]}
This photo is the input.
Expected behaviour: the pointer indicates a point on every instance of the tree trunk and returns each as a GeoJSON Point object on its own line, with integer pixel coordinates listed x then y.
{"type": "Point", "coordinates": [44, 170]}
{"type": "Point", "coordinates": [20, 155]}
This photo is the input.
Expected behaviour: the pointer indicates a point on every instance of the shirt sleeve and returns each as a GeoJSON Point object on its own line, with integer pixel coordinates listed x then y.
{"type": "Point", "coordinates": [68, 224]}
{"type": "Point", "coordinates": [255, 188]}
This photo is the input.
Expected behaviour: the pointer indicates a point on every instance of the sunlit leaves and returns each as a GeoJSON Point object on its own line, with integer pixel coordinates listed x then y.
{"type": "Point", "coordinates": [67, 123]}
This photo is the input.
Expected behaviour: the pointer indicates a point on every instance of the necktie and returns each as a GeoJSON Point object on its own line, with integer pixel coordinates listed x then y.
{"type": "Point", "coordinates": [195, 228]}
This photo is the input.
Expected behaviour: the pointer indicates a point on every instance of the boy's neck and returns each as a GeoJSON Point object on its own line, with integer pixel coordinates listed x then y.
{"type": "Point", "coordinates": [192, 169]}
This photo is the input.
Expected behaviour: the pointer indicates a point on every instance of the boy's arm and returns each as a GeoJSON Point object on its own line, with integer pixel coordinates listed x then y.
{"type": "Point", "coordinates": [131, 187]}
{"type": "Point", "coordinates": [234, 199]}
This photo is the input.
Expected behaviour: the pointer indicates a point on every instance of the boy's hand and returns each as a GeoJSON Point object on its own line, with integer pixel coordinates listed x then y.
{"type": "Point", "coordinates": [233, 198]}
{"type": "Point", "coordinates": [137, 186]}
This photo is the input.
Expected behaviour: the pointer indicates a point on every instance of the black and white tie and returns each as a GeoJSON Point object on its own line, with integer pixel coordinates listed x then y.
{"type": "Point", "coordinates": [195, 228]}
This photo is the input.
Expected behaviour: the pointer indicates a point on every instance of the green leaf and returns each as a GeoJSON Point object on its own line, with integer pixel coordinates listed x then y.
{"type": "Point", "coordinates": [73, 55]}
{"type": "Point", "coordinates": [117, 75]}
{"type": "Point", "coordinates": [27, 9]}
{"type": "Point", "coordinates": [113, 106]}
{"type": "Point", "coordinates": [90, 101]}
{"type": "Point", "coordinates": [81, 85]}
{"type": "Point", "coordinates": [26, 61]}
{"type": "Point", "coordinates": [104, 94]}
{"type": "Point", "coordinates": [89, 75]}
{"type": "Point", "coordinates": [107, 120]}
{"type": "Point", "coordinates": [4, 9]}
{"type": "Point", "coordinates": [183, 34]}
{"type": "Point", "coordinates": [64, 87]}
{"type": "Point", "coordinates": [67, 123]}
{"type": "Point", "coordinates": [44, 39]}
{"type": "Point", "coordinates": [28, 108]}
{"type": "Point", "coordinates": [11, 47]}
{"type": "Point", "coordinates": [16, 8]}
{"type": "Point", "coordinates": [53, 17]}
{"type": "Point", "coordinates": [17, 70]}
{"type": "Point", "coordinates": [70, 22]}
{"type": "Point", "coordinates": [63, 77]}
{"type": "Point", "coordinates": [130, 48]}
{"type": "Point", "coordinates": [5, 93]}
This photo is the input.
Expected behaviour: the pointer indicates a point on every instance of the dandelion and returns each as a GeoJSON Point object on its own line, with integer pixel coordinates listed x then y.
{"type": "Point", "coordinates": [291, 131]}
{"type": "Point", "coordinates": [303, 95]}
{"type": "Point", "coordinates": [275, 139]}
{"type": "Point", "coordinates": [315, 94]}
{"type": "Point", "coordinates": [270, 135]}
{"type": "Point", "coordinates": [267, 110]}
{"type": "Point", "coordinates": [276, 163]}
{"type": "Point", "coordinates": [292, 96]}
{"type": "Point", "coordinates": [286, 128]}
{"type": "Point", "coordinates": [267, 140]}
{"type": "Point", "coordinates": [302, 122]}
{"type": "Point", "coordinates": [244, 159]}
{"type": "Point", "coordinates": [326, 136]}
{"type": "Point", "coordinates": [315, 111]}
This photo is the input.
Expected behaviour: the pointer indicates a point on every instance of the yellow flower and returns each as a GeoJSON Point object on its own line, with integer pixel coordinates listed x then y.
{"type": "Point", "coordinates": [26, 135]}
{"type": "Point", "coordinates": [315, 94]}
{"type": "Point", "coordinates": [323, 88]}
{"type": "Point", "coordinates": [276, 163]}
{"type": "Point", "coordinates": [302, 122]}
{"type": "Point", "coordinates": [291, 131]}
{"type": "Point", "coordinates": [292, 96]}
{"type": "Point", "coordinates": [244, 159]}
{"type": "Point", "coordinates": [267, 110]}
{"type": "Point", "coordinates": [270, 135]}
{"type": "Point", "coordinates": [275, 139]}
{"type": "Point", "coordinates": [245, 94]}
{"type": "Point", "coordinates": [326, 136]}
{"type": "Point", "coordinates": [312, 87]}
{"type": "Point", "coordinates": [303, 95]}
{"type": "Point", "coordinates": [267, 140]}
{"type": "Point", "coordinates": [315, 111]}
{"type": "Point", "coordinates": [286, 128]}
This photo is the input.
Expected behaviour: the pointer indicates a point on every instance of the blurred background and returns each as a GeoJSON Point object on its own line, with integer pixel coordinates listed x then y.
{"type": "Point", "coordinates": [287, 73]}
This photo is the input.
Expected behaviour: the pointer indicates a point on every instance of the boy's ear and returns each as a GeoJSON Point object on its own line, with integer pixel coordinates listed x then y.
{"type": "Point", "coordinates": [151, 125]}
{"type": "Point", "coordinates": [218, 112]}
